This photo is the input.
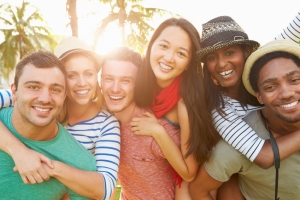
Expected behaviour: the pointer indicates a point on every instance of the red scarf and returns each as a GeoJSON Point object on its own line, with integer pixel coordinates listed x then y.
{"type": "Point", "coordinates": [166, 99]}
{"type": "Point", "coordinates": [162, 103]}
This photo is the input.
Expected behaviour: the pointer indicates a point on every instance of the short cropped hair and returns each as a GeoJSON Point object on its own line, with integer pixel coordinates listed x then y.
{"type": "Point", "coordinates": [124, 53]}
{"type": "Point", "coordinates": [40, 59]}
{"type": "Point", "coordinates": [261, 62]}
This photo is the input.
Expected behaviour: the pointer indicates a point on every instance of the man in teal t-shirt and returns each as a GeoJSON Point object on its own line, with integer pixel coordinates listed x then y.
{"type": "Point", "coordinates": [38, 92]}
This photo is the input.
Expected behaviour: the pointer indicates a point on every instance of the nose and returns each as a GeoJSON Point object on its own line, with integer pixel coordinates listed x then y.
{"type": "Point", "coordinates": [169, 56]}
{"type": "Point", "coordinates": [45, 96]}
{"type": "Point", "coordinates": [222, 62]}
{"type": "Point", "coordinates": [81, 81]}
{"type": "Point", "coordinates": [116, 86]}
{"type": "Point", "coordinates": [286, 91]}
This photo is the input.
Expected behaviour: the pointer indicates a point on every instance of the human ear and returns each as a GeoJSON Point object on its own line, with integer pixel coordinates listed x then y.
{"type": "Point", "coordinates": [247, 51]}
{"type": "Point", "coordinates": [258, 96]}
{"type": "Point", "coordinates": [13, 91]}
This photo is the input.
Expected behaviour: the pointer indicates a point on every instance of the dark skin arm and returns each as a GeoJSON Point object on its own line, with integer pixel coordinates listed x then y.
{"type": "Point", "coordinates": [202, 186]}
{"type": "Point", "coordinates": [230, 190]}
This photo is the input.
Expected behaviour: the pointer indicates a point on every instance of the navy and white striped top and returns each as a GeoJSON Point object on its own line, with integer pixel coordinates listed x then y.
{"type": "Point", "coordinates": [100, 135]}
{"type": "Point", "coordinates": [5, 98]}
{"type": "Point", "coordinates": [292, 31]}
{"type": "Point", "coordinates": [235, 131]}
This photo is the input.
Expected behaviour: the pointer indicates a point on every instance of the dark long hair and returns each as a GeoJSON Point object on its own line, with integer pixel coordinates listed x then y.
{"type": "Point", "coordinates": [203, 135]}
{"type": "Point", "coordinates": [215, 92]}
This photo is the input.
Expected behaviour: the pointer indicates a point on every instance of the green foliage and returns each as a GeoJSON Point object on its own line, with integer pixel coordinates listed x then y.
{"type": "Point", "coordinates": [132, 16]}
{"type": "Point", "coordinates": [24, 30]}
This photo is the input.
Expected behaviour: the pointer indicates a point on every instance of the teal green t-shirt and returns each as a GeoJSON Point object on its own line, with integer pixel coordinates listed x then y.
{"type": "Point", "coordinates": [63, 148]}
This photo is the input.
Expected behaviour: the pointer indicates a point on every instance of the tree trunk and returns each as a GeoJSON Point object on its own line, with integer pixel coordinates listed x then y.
{"type": "Point", "coordinates": [72, 12]}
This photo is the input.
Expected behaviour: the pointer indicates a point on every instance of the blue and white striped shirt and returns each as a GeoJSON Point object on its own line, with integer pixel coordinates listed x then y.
{"type": "Point", "coordinates": [101, 136]}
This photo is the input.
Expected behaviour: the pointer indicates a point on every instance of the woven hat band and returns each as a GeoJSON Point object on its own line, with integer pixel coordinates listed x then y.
{"type": "Point", "coordinates": [223, 37]}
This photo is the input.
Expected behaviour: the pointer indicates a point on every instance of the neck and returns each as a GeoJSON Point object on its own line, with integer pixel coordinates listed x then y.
{"type": "Point", "coordinates": [277, 125]}
{"type": "Point", "coordinates": [33, 132]}
{"type": "Point", "coordinates": [126, 115]}
{"type": "Point", "coordinates": [232, 92]}
{"type": "Point", "coordinates": [78, 112]}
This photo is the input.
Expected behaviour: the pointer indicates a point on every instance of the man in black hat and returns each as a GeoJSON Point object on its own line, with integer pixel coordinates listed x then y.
{"type": "Point", "coordinates": [272, 74]}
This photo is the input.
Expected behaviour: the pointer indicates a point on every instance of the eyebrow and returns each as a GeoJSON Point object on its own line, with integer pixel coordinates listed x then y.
{"type": "Point", "coordinates": [185, 49]}
{"type": "Point", "coordinates": [292, 73]}
{"type": "Point", "coordinates": [285, 76]}
{"type": "Point", "coordinates": [40, 83]}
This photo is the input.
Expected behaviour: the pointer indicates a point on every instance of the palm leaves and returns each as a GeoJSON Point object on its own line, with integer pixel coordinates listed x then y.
{"type": "Point", "coordinates": [24, 30]}
{"type": "Point", "coordinates": [132, 17]}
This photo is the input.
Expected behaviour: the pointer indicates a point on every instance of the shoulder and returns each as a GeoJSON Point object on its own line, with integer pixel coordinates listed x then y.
{"type": "Point", "coordinates": [256, 124]}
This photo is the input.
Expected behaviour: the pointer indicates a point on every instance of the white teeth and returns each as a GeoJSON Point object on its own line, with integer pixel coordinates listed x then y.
{"type": "Point", "coordinates": [289, 105]}
{"type": "Point", "coordinates": [165, 66]}
{"type": "Point", "coordinates": [41, 109]}
{"type": "Point", "coordinates": [81, 92]}
{"type": "Point", "coordinates": [116, 97]}
{"type": "Point", "coordinates": [226, 72]}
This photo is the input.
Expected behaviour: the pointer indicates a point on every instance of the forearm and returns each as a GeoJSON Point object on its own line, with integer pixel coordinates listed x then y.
{"type": "Point", "coordinates": [198, 194]}
{"type": "Point", "coordinates": [203, 186]}
{"type": "Point", "coordinates": [174, 155]}
{"type": "Point", "coordinates": [287, 145]}
{"type": "Point", "coordinates": [85, 183]}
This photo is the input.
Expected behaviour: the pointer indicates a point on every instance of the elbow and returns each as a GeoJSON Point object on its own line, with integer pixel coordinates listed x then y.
{"type": "Point", "coordinates": [189, 178]}
{"type": "Point", "coordinates": [265, 164]}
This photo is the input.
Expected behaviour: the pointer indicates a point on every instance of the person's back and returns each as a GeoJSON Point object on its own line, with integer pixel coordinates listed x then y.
{"type": "Point", "coordinates": [62, 148]}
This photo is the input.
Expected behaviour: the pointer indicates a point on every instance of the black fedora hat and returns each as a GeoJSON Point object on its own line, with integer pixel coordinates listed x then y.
{"type": "Point", "coordinates": [221, 32]}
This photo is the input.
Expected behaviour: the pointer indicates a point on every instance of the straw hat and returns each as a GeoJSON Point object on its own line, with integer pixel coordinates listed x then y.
{"type": "Point", "coordinates": [221, 32]}
{"type": "Point", "coordinates": [276, 45]}
{"type": "Point", "coordinates": [71, 45]}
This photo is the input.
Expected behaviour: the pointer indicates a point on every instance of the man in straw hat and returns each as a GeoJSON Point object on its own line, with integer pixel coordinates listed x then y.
{"type": "Point", "coordinates": [272, 74]}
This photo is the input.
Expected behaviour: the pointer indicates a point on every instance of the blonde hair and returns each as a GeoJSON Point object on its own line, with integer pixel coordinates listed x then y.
{"type": "Point", "coordinates": [97, 97]}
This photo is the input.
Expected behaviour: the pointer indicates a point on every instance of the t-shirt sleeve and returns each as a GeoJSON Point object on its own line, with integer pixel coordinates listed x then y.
{"type": "Point", "coordinates": [5, 98]}
{"type": "Point", "coordinates": [107, 154]}
{"type": "Point", "coordinates": [237, 132]}
{"type": "Point", "coordinates": [224, 161]}
{"type": "Point", "coordinates": [292, 31]}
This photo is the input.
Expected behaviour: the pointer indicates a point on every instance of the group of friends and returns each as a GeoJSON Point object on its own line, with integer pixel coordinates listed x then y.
{"type": "Point", "coordinates": [194, 118]}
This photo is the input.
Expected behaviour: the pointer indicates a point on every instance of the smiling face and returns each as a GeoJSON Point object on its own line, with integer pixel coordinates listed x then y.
{"type": "Point", "coordinates": [279, 88]}
{"type": "Point", "coordinates": [40, 95]}
{"type": "Point", "coordinates": [117, 84]}
{"type": "Point", "coordinates": [170, 54]}
{"type": "Point", "coordinates": [81, 79]}
{"type": "Point", "coordinates": [226, 65]}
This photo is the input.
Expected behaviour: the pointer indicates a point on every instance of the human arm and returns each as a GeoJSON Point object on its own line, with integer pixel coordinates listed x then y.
{"type": "Point", "coordinates": [100, 184]}
{"type": "Point", "coordinates": [236, 132]}
{"type": "Point", "coordinates": [200, 188]}
{"type": "Point", "coordinates": [28, 162]}
{"type": "Point", "coordinates": [5, 98]}
{"type": "Point", "coordinates": [292, 31]}
{"type": "Point", "coordinates": [150, 126]}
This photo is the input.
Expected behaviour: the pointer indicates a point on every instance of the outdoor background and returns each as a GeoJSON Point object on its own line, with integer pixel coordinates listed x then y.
{"type": "Point", "coordinates": [99, 22]}
{"type": "Point", "coordinates": [104, 24]}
